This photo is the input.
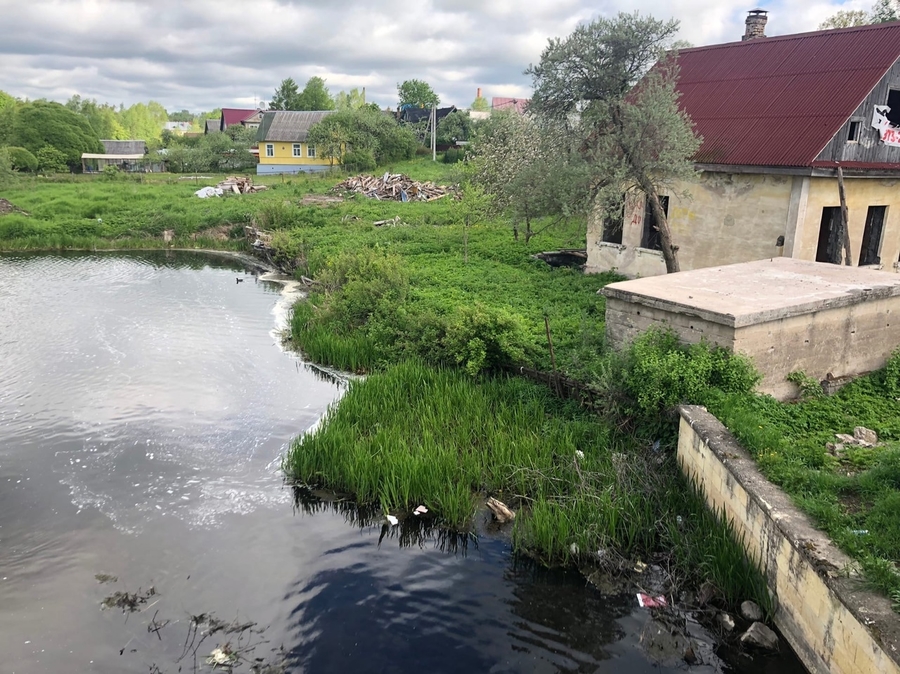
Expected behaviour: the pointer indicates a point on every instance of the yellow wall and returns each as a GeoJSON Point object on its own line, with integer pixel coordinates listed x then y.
{"type": "Point", "coordinates": [284, 154]}
{"type": "Point", "coordinates": [861, 193]}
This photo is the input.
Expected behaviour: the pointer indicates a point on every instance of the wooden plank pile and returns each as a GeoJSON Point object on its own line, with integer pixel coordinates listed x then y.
{"type": "Point", "coordinates": [240, 185]}
{"type": "Point", "coordinates": [392, 187]}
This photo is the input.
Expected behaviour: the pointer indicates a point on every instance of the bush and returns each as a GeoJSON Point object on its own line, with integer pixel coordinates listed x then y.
{"type": "Point", "coordinates": [359, 283]}
{"type": "Point", "coordinates": [21, 159]}
{"type": "Point", "coordinates": [111, 172]}
{"type": "Point", "coordinates": [51, 160]}
{"type": "Point", "coordinates": [454, 155]}
{"type": "Point", "coordinates": [359, 161]}
{"type": "Point", "coordinates": [485, 338]}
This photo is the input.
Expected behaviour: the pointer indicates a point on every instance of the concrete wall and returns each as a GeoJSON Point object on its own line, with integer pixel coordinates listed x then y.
{"type": "Point", "coordinates": [733, 217]}
{"type": "Point", "coordinates": [823, 610]}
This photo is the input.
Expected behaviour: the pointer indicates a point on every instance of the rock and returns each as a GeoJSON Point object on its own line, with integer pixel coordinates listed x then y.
{"type": "Point", "coordinates": [835, 448]}
{"type": "Point", "coordinates": [865, 436]}
{"type": "Point", "coordinates": [846, 439]}
{"type": "Point", "coordinates": [708, 592]}
{"type": "Point", "coordinates": [760, 636]}
{"type": "Point", "coordinates": [726, 622]}
{"type": "Point", "coordinates": [750, 611]}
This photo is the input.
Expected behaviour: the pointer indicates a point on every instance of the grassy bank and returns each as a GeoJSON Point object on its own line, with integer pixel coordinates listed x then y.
{"type": "Point", "coordinates": [854, 495]}
{"type": "Point", "coordinates": [435, 309]}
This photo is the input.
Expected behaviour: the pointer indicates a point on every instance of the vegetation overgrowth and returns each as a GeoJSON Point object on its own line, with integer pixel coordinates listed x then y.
{"type": "Point", "coordinates": [434, 306]}
{"type": "Point", "coordinates": [854, 493]}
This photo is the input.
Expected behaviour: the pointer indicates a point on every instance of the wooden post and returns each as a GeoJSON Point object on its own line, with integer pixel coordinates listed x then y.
{"type": "Point", "coordinates": [552, 355]}
{"type": "Point", "coordinates": [845, 219]}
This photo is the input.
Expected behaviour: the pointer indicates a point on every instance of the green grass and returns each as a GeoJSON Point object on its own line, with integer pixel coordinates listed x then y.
{"type": "Point", "coordinates": [414, 434]}
{"type": "Point", "coordinates": [854, 497]}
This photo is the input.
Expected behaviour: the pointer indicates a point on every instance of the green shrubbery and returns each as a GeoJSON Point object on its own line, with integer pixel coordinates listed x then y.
{"type": "Point", "coordinates": [21, 159]}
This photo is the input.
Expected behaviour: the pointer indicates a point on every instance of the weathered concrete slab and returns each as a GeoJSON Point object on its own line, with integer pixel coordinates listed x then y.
{"type": "Point", "coordinates": [831, 620]}
{"type": "Point", "coordinates": [785, 314]}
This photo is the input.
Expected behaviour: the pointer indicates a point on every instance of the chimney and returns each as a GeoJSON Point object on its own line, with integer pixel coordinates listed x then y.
{"type": "Point", "coordinates": [478, 95]}
{"type": "Point", "coordinates": [755, 24]}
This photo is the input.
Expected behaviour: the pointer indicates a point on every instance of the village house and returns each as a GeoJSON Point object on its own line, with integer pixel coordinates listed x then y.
{"type": "Point", "coordinates": [778, 116]}
{"type": "Point", "coordinates": [126, 155]}
{"type": "Point", "coordinates": [283, 146]}
{"type": "Point", "coordinates": [233, 116]}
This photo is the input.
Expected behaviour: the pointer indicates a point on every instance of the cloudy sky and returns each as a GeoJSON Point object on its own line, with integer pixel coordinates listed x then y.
{"type": "Point", "coordinates": [204, 54]}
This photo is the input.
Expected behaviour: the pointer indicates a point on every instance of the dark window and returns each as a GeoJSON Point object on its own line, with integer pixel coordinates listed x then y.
{"type": "Point", "coordinates": [612, 226]}
{"type": "Point", "coordinates": [650, 236]}
{"type": "Point", "coordinates": [871, 243]}
{"type": "Point", "coordinates": [893, 102]}
{"type": "Point", "coordinates": [853, 133]}
{"type": "Point", "coordinates": [829, 248]}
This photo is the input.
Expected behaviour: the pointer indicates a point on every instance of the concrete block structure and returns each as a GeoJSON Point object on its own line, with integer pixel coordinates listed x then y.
{"type": "Point", "coordinates": [787, 315]}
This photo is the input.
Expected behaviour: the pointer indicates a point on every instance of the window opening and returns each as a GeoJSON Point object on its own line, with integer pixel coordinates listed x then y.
{"type": "Point", "coordinates": [829, 248]}
{"type": "Point", "coordinates": [613, 225]}
{"type": "Point", "coordinates": [311, 151]}
{"type": "Point", "coordinates": [298, 151]}
{"type": "Point", "coordinates": [650, 237]}
{"type": "Point", "coordinates": [871, 243]}
{"type": "Point", "coordinates": [893, 102]}
{"type": "Point", "coordinates": [853, 133]}
{"type": "Point", "coordinates": [270, 150]}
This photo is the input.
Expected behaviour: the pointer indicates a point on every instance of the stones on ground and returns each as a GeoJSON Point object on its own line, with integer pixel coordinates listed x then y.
{"type": "Point", "coordinates": [751, 611]}
{"type": "Point", "coordinates": [865, 436]}
{"type": "Point", "coordinates": [760, 636]}
{"type": "Point", "coordinates": [726, 622]}
{"type": "Point", "coordinates": [707, 593]}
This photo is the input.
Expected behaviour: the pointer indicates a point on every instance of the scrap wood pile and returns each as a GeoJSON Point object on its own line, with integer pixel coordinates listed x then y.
{"type": "Point", "coordinates": [7, 207]}
{"type": "Point", "coordinates": [392, 187]}
{"type": "Point", "coordinates": [240, 185]}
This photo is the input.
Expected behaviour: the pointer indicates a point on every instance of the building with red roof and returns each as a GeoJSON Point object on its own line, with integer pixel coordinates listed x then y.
{"type": "Point", "coordinates": [233, 116]}
{"type": "Point", "coordinates": [777, 117]}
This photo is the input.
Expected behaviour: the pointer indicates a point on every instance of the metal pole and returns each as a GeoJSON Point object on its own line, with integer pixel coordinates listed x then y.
{"type": "Point", "coordinates": [433, 133]}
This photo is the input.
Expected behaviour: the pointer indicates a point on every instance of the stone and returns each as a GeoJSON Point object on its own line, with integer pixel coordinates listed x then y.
{"type": "Point", "coordinates": [846, 439]}
{"type": "Point", "coordinates": [760, 636]}
{"type": "Point", "coordinates": [865, 436]}
{"type": "Point", "coordinates": [726, 622]}
{"type": "Point", "coordinates": [835, 448]}
{"type": "Point", "coordinates": [751, 611]}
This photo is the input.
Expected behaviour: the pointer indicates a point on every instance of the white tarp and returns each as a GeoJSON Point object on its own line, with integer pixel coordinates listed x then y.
{"type": "Point", "coordinates": [206, 192]}
{"type": "Point", "coordinates": [890, 134]}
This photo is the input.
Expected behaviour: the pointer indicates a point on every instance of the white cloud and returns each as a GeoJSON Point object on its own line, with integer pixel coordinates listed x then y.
{"type": "Point", "coordinates": [204, 54]}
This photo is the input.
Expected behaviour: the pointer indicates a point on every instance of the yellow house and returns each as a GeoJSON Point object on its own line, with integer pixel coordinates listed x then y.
{"type": "Point", "coordinates": [283, 146]}
{"type": "Point", "coordinates": [778, 116]}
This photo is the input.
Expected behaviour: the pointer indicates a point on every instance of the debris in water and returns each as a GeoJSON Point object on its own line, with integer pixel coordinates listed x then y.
{"type": "Point", "coordinates": [421, 510]}
{"type": "Point", "coordinates": [393, 521]}
{"type": "Point", "coordinates": [105, 578]}
{"type": "Point", "coordinates": [501, 512]}
{"type": "Point", "coordinates": [223, 656]}
{"type": "Point", "coordinates": [128, 601]}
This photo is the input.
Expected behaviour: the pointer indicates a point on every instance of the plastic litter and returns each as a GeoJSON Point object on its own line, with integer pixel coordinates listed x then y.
{"type": "Point", "coordinates": [393, 521]}
{"type": "Point", "coordinates": [206, 192]}
{"type": "Point", "coordinates": [421, 510]}
{"type": "Point", "coordinates": [646, 601]}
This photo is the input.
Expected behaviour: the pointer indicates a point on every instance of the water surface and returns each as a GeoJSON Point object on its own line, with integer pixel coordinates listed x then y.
{"type": "Point", "coordinates": [144, 404]}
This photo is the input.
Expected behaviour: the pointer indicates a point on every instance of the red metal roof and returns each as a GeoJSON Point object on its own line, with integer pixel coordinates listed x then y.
{"type": "Point", "coordinates": [517, 104]}
{"type": "Point", "coordinates": [231, 116]}
{"type": "Point", "coordinates": [778, 101]}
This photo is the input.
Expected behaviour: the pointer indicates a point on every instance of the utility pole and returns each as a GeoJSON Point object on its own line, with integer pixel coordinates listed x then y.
{"type": "Point", "coordinates": [433, 132]}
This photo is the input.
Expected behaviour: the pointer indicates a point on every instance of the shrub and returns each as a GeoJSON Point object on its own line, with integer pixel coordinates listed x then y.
{"type": "Point", "coordinates": [21, 159]}
{"type": "Point", "coordinates": [359, 161]}
{"type": "Point", "coordinates": [454, 155]}
{"type": "Point", "coordinates": [358, 283]}
{"type": "Point", "coordinates": [484, 338]}
{"type": "Point", "coordinates": [51, 160]}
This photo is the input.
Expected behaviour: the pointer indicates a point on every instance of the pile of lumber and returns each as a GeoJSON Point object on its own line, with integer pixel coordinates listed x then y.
{"type": "Point", "coordinates": [392, 187]}
{"type": "Point", "coordinates": [240, 185]}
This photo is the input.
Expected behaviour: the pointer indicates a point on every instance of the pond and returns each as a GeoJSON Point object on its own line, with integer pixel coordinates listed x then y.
{"type": "Point", "coordinates": [145, 401]}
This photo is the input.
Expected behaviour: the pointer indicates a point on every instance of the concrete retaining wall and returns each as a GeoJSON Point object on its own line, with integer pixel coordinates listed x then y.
{"type": "Point", "coordinates": [823, 608]}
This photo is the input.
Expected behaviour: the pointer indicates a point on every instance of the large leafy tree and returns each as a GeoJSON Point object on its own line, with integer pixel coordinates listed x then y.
{"type": "Point", "coordinates": [417, 93]}
{"type": "Point", "coordinates": [363, 130]}
{"type": "Point", "coordinates": [350, 100]}
{"type": "Point", "coordinates": [286, 96]}
{"type": "Point", "coordinates": [144, 121]}
{"type": "Point", "coordinates": [882, 11]}
{"type": "Point", "coordinates": [314, 96]}
{"type": "Point", "coordinates": [600, 84]}
{"type": "Point", "coordinates": [103, 118]}
{"type": "Point", "coordinates": [454, 127]}
{"type": "Point", "coordinates": [38, 124]}
{"type": "Point", "coordinates": [6, 100]}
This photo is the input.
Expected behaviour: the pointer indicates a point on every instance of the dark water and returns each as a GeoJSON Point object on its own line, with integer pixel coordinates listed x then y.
{"type": "Point", "coordinates": [144, 404]}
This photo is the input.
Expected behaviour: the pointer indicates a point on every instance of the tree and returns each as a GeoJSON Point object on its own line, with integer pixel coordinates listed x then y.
{"type": "Point", "coordinates": [363, 130]}
{"type": "Point", "coordinates": [103, 118]}
{"type": "Point", "coordinates": [37, 124]}
{"type": "Point", "coordinates": [51, 160]}
{"type": "Point", "coordinates": [286, 95]}
{"type": "Point", "coordinates": [350, 101]}
{"type": "Point", "coordinates": [417, 94]}
{"type": "Point", "coordinates": [181, 116]}
{"type": "Point", "coordinates": [455, 126]}
{"type": "Point", "coordinates": [882, 12]}
{"type": "Point", "coordinates": [601, 86]}
{"type": "Point", "coordinates": [480, 104]}
{"type": "Point", "coordinates": [144, 121]}
{"type": "Point", "coordinates": [314, 96]}
{"type": "Point", "coordinates": [21, 159]}
{"type": "Point", "coordinates": [6, 100]}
